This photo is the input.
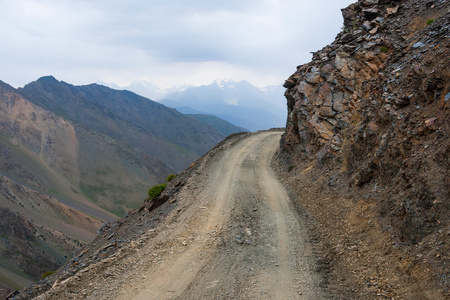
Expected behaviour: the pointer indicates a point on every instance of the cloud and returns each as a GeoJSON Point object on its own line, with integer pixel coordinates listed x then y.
{"type": "Point", "coordinates": [162, 41]}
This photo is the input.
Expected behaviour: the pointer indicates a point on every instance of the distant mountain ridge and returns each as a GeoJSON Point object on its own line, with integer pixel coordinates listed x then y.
{"type": "Point", "coordinates": [73, 157]}
{"type": "Point", "coordinates": [146, 125]}
{"type": "Point", "coordinates": [239, 103]}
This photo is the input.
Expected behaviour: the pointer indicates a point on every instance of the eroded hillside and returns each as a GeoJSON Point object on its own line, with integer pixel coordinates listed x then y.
{"type": "Point", "coordinates": [64, 173]}
{"type": "Point", "coordinates": [368, 133]}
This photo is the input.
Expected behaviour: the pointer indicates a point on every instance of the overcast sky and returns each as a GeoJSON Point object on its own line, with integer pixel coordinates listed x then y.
{"type": "Point", "coordinates": [166, 42]}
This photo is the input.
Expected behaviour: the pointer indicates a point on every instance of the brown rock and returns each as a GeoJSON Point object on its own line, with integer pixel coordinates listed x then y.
{"type": "Point", "coordinates": [306, 89]}
{"type": "Point", "coordinates": [349, 14]}
{"type": "Point", "coordinates": [372, 127]}
{"type": "Point", "coordinates": [324, 129]}
{"type": "Point", "coordinates": [326, 70]}
{"type": "Point", "coordinates": [370, 13]}
{"type": "Point", "coordinates": [290, 83]}
{"type": "Point", "coordinates": [338, 102]}
{"type": "Point", "coordinates": [402, 102]}
{"type": "Point", "coordinates": [369, 2]}
{"type": "Point", "coordinates": [430, 123]}
{"type": "Point", "coordinates": [372, 66]}
{"type": "Point", "coordinates": [328, 100]}
{"type": "Point", "coordinates": [347, 73]}
{"type": "Point", "coordinates": [392, 10]}
{"type": "Point", "coordinates": [326, 111]}
{"type": "Point", "coordinates": [367, 26]}
{"type": "Point", "coordinates": [324, 91]}
{"type": "Point", "coordinates": [313, 76]}
{"type": "Point", "coordinates": [374, 30]}
{"type": "Point", "coordinates": [341, 60]}
{"type": "Point", "coordinates": [336, 143]}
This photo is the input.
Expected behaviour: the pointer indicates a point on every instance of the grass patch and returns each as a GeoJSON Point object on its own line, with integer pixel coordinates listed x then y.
{"type": "Point", "coordinates": [171, 177]}
{"type": "Point", "coordinates": [155, 191]}
{"type": "Point", "coordinates": [47, 274]}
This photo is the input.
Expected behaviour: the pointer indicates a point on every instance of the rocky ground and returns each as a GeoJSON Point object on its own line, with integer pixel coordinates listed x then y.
{"type": "Point", "coordinates": [226, 231]}
{"type": "Point", "coordinates": [367, 135]}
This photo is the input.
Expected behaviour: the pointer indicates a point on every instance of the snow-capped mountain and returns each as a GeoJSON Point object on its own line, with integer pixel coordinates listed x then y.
{"type": "Point", "coordinates": [240, 103]}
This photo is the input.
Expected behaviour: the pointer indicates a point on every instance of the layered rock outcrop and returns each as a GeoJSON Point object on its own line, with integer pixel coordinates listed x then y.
{"type": "Point", "coordinates": [371, 113]}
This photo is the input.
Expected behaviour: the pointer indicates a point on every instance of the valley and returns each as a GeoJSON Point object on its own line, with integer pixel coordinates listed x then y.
{"type": "Point", "coordinates": [75, 157]}
{"type": "Point", "coordinates": [228, 230]}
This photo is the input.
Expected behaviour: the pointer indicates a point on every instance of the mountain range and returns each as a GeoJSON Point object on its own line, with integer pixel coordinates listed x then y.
{"type": "Point", "coordinates": [239, 103]}
{"type": "Point", "coordinates": [74, 157]}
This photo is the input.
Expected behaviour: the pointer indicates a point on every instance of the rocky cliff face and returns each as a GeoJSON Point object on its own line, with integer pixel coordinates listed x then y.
{"type": "Point", "coordinates": [370, 112]}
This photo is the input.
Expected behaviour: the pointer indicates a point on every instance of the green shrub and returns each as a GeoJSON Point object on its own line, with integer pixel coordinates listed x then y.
{"type": "Point", "coordinates": [47, 274]}
{"type": "Point", "coordinates": [430, 21]}
{"type": "Point", "coordinates": [171, 177]}
{"type": "Point", "coordinates": [383, 49]}
{"type": "Point", "coordinates": [155, 191]}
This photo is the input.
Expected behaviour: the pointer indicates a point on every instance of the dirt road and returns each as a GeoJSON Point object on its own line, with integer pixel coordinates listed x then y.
{"type": "Point", "coordinates": [234, 235]}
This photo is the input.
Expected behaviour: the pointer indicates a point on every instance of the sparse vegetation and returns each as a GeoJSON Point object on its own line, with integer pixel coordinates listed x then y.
{"type": "Point", "coordinates": [171, 177]}
{"type": "Point", "coordinates": [47, 274]}
{"type": "Point", "coordinates": [383, 49]}
{"type": "Point", "coordinates": [155, 191]}
{"type": "Point", "coordinates": [430, 21]}
{"type": "Point", "coordinates": [291, 167]}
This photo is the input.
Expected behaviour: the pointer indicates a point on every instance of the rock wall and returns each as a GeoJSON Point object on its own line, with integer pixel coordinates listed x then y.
{"type": "Point", "coordinates": [371, 112]}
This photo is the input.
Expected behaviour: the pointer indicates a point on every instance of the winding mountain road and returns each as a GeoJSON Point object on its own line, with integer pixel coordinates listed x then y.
{"type": "Point", "coordinates": [243, 241]}
{"type": "Point", "coordinates": [233, 235]}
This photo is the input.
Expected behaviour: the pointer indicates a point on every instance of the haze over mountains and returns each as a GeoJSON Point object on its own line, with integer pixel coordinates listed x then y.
{"type": "Point", "coordinates": [239, 103]}
{"type": "Point", "coordinates": [73, 157]}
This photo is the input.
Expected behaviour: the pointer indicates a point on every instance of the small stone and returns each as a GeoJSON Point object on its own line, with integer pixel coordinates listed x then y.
{"type": "Point", "coordinates": [290, 83]}
{"type": "Point", "coordinates": [401, 102]}
{"type": "Point", "coordinates": [326, 111]}
{"type": "Point", "coordinates": [326, 70]}
{"type": "Point", "coordinates": [367, 26]}
{"type": "Point", "coordinates": [372, 127]}
{"type": "Point", "coordinates": [392, 10]}
{"type": "Point", "coordinates": [338, 102]}
{"type": "Point", "coordinates": [418, 45]}
{"type": "Point", "coordinates": [313, 76]}
{"type": "Point", "coordinates": [431, 122]}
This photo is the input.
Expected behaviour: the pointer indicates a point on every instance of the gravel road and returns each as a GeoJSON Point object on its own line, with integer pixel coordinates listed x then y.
{"type": "Point", "coordinates": [234, 235]}
{"type": "Point", "coordinates": [241, 238]}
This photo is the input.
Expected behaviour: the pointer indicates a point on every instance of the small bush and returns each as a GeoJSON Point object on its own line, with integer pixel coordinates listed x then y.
{"type": "Point", "coordinates": [291, 167]}
{"type": "Point", "coordinates": [171, 177]}
{"type": "Point", "coordinates": [47, 274]}
{"type": "Point", "coordinates": [383, 49]}
{"type": "Point", "coordinates": [155, 191]}
{"type": "Point", "coordinates": [430, 21]}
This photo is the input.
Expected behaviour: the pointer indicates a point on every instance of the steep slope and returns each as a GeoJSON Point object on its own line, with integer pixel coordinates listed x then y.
{"type": "Point", "coordinates": [239, 103]}
{"type": "Point", "coordinates": [40, 154]}
{"type": "Point", "coordinates": [61, 179]}
{"type": "Point", "coordinates": [367, 134]}
{"type": "Point", "coordinates": [80, 167]}
{"type": "Point", "coordinates": [126, 117]}
{"type": "Point", "coordinates": [207, 237]}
